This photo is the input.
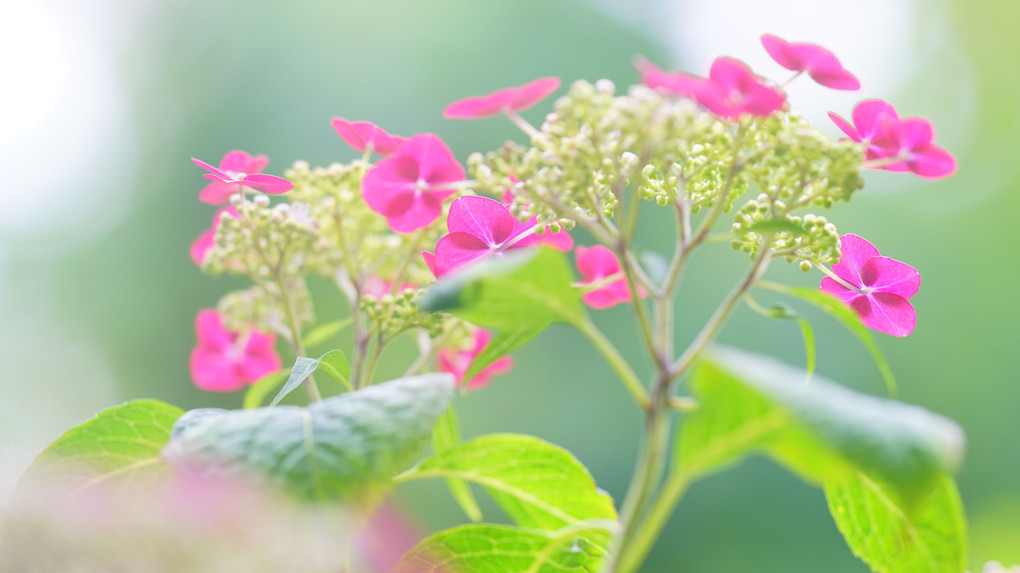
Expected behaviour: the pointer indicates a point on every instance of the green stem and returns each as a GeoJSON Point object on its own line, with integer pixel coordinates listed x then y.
{"type": "Point", "coordinates": [615, 360]}
{"type": "Point", "coordinates": [297, 341]}
{"type": "Point", "coordinates": [644, 539]}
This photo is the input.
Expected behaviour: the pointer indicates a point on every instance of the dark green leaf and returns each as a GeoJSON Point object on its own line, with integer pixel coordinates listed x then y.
{"type": "Point", "coordinates": [529, 288]}
{"type": "Point", "coordinates": [445, 436]}
{"type": "Point", "coordinates": [122, 443]}
{"type": "Point", "coordinates": [344, 447]}
{"type": "Point", "coordinates": [258, 391]}
{"type": "Point", "coordinates": [928, 535]}
{"type": "Point", "coordinates": [537, 484]}
{"type": "Point", "coordinates": [501, 548]}
{"type": "Point", "coordinates": [503, 343]}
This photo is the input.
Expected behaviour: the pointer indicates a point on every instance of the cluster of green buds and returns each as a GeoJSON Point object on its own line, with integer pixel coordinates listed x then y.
{"type": "Point", "coordinates": [265, 307]}
{"type": "Point", "coordinates": [395, 313]}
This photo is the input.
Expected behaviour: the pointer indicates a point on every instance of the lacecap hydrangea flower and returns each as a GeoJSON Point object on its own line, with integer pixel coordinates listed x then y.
{"type": "Point", "coordinates": [366, 136]}
{"type": "Point", "coordinates": [812, 59]}
{"type": "Point", "coordinates": [457, 361]}
{"type": "Point", "coordinates": [506, 100]}
{"type": "Point", "coordinates": [238, 169]}
{"type": "Point", "coordinates": [224, 360]}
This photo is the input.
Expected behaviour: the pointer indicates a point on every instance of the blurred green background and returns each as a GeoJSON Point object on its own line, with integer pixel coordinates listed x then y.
{"type": "Point", "coordinates": [105, 102]}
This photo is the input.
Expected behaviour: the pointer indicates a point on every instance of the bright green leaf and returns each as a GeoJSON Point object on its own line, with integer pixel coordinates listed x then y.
{"type": "Point", "coordinates": [336, 365]}
{"type": "Point", "coordinates": [844, 314]}
{"type": "Point", "coordinates": [121, 444]}
{"type": "Point", "coordinates": [333, 363]}
{"type": "Point", "coordinates": [445, 436]}
{"type": "Point", "coordinates": [928, 535]}
{"type": "Point", "coordinates": [344, 447]}
{"type": "Point", "coordinates": [325, 331]}
{"type": "Point", "coordinates": [503, 343]}
{"type": "Point", "coordinates": [492, 548]}
{"type": "Point", "coordinates": [537, 484]}
{"type": "Point", "coordinates": [783, 311]}
{"type": "Point", "coordinates": [529, 288]}
{"type": "Point", "coordinates": [258, 391]}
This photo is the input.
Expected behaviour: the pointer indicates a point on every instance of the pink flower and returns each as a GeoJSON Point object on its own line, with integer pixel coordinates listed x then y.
{"type": "Point", "coordinates": [509, 100]}
{"type": "Point", "coordinates": [362, 135]}
{"type": "Point", "coordinates": [730, 90]}
{"type": "Point", "coordinates": [207, 240]}
{"type": "Point", "coordinates": [819, 63]}
{"type": "Point", "coordinates": [457, 362]}
{"type": "Point", "coordinates": [598, 263]}
{"type": "Point", "coordinates": [887, 137]}
{"type": "Point", "coordinates": [378, 287]}
{"type": "Point", "coordinates": [561, 241]}
{"type": "Point", "coordinates": [409, 187]}
{"type": "Point", "coordinates": [881, 286]}
{"type": "Point", "coordinates": [237, 168]}
{"type": "Point", "coordinates": [224, 361]}
{"type": "Point", "coordinates": [479, 227]}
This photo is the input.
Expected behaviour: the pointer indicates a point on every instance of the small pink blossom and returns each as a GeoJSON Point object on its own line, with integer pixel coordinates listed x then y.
{"type": "Point", "coordinates": [457, 362]}
{"type": "Point", "coordinates": [238, 169]}
{"type": "Point", "coordinates": [479, 228]}
{"type": "Point", "coordinates": [730, 90]}
{"type": "Point", "coordinates": [819, 63]}
{"type": "Point", "coordinates": [207, 240]}
{"type": "Point", "coordinates": [881, 286]}
{"type": "Point", "coordinates": [409, 187]}
{"type": "Point", "coordinates": [509, 100]}
{"type": "Point", "coordinates": [598, 263]}
{"type": "Point", "coordinates": [888, 137]}
{"type": "Point", "coordinates": [364, 135]}
{"type": "Point", "coordinates": [379, 287]}
{"type": "Point", "coordinates": [225, 361]}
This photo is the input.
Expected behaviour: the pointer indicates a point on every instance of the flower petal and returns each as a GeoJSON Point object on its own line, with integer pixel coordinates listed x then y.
{"type": "Point", "coordinates": [596, 262]}
{"type": "Point", "coordinates": [210, 168]}
{"type": "Point", "coordinates": [854, 252]}
{"type": "Point", "coordinates": [456, 250]}
{"type": "Point", "coordinates": [835, 288]}
{"type": "Point", "coordinates": [845, 126]}
{"type": "Point", "coordinates": [254, 366]}
{"type": "Point", "coordinates": [420, 212]}
{"type": "Point", "coordinates": [886, 312]}
{"type": "Point", "coordinates": [210, 331]}
{"type": "Point", "coordinates": [214, 371]}
{"type": "Point", "coordinates": [561, 241]}
{"type": "Point", "coordinates": [484, 218]}
{"type": "Point", "coordinates": [201, 246]}
{"type": "Point", "coordinates": [889, 275]}
{"type": "Point", "coordinates": [868, 115]}
{"type": "Point", "coordinates": [780, 51]}
{"type": "Point", "coordinates": [533, 92]}
{"type": "Point", "coordinates": [267, 183]}
{"type": "Point", "coordinates": [933, 162]}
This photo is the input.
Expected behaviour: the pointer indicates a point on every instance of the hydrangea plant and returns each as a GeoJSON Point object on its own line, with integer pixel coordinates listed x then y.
{"type": "Point", "coordinates": [474, 262]}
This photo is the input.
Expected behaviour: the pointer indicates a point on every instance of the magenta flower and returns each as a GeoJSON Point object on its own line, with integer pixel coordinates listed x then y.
{"type": "Point", "coordinates": [676, 83]}
{"type": "Point", "coordinates": [506, 100]}
{"type": "Point", "coordinates": [225, 361]}
{"type": "Point", "coordinates": [819, 63]}
{"type": "Point", "coordinates": [409, 187]}
{"type": "Point", "coordinates": [597, 264]}
{"type": "Point", "coordinates": [561, 241]}
{"type": "Point", "coordinates": [364, 135]}
{"type": "Point", "coordinates": [479, 227]}
{"type": "Point", "coordinates": [457, 362]}
{"type": "Point", "coordinates": [877, 287]}
{"type": "Point", "coordinates": [730, 90]}
{"type": "Point", "coordinates": [207, 240]}
{"type": "Point", "coordinates": [237, 168]}
{"type": "Point", "coordinates": [888, 138]}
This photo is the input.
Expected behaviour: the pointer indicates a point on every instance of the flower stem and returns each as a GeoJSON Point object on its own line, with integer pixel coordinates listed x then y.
{"type": "Point", "coordinates": [615, 360]}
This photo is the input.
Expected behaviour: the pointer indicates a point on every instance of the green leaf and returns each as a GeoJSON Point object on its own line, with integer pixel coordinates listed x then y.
{"type": "Point", "coordinates": [537, 484]}
{"type": "Point", "coordinates": [119, 444]}
{"type": "Point", "coordinates": [784, 312]}
{"type": "Point", "coordinates": [333, 363]}
{"type": "Point", "coordinates": [445, 436]}
{"type": "Point", "coordinates": [325, 331]}
{"type": "Point", "coordinates": [258, 391]}
{"type": "Point", "coordinates": [475, 548]}
{"type": "Point", "coordinates": [844, 314]}
{"type": "Point", "coordinates": [344, 447]}
{"type": "Point", "coordinates": [528, 288]}
{"type": "Point", "coordinates": [928, 535]}
{"type": "Point", "coordinates": [503, 343]}
{"type": "Point", "coordinates": [823, 430]}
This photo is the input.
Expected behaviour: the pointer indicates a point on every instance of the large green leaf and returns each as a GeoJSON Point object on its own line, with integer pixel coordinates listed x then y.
{"type": "Point", "coordinates": [537, 484]}
{"type": "Point", "coordinates": [445, 436]}
{"type": "Point", "coordinates": [344, 447]}
{"type": "Point", "coordinates": [501, 548]}
{"type": "Point", "coordinates": [529, 288]}
{"type": "Point", "coordinates": [927, 536]}
{"type": "Point", "coordinates": [751, 402]}
{"type": "Point", "coordinates": [122, 443]}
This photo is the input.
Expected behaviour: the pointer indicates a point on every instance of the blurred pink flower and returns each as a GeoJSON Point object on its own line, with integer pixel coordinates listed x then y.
{"type": "Point", "coordinates": [225, 361]}
{"type": "Point", "coordinates": [236, 169]}
{"type": "Point", "coordinates": [819, 63]}
{"type": "Point", "coordinates": [730, 90]}
{"type": "Point", "coordinates": [409, 187]}
{"type": "Point", "coordinates": [888, 138]}
{"type": "Point", "coordinates": [677, 83]}
{"type": "Point", "coordinates": [385, 537]}
{"type": "Point", "coordinates": [510, 100]}
{"type": "Point", "coordinates": [379, 287]}
{"type": "Point", "coordinates": [881, 286]}
{"type": "Point", "coordinates": [598, 263]}
{"type": "Point", "coordinates": [457, 362]}
{"type": "Point", "coordinates": [479, 227]}
{"type": "Point", "coordinates": [207, 240]}
{"type": "Point", "coordinates": [362, 135]}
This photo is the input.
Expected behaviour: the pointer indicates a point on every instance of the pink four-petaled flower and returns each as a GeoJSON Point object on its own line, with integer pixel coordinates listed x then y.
{"type": "Point", "coordinates": [237, 168]}
{"type": "Point", "coordinates": [888, 138]}
{"type": "Point", "coordinates": [409, 187]}
{"type": "Point", "coordinates": [509, 100]}
{"type": "Point", "coordinates": [880, 286]}
{"type": "Point", "coordinates": [207, 240]}
{"type": "Point", "coordinates": [818, 62]}
{"type": "Point", "coordinates": [224, 361]}
{"type": "Point", "coordinates": [596, 264]}
{"type": "Point", "coordinates": [364, 135]}
{"type": "Point", "coordinates": [457, 362]}
{"type": "Point", "coordinates": [479, 227]}
{"type": "Point", "coordinates": [730, 91]}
